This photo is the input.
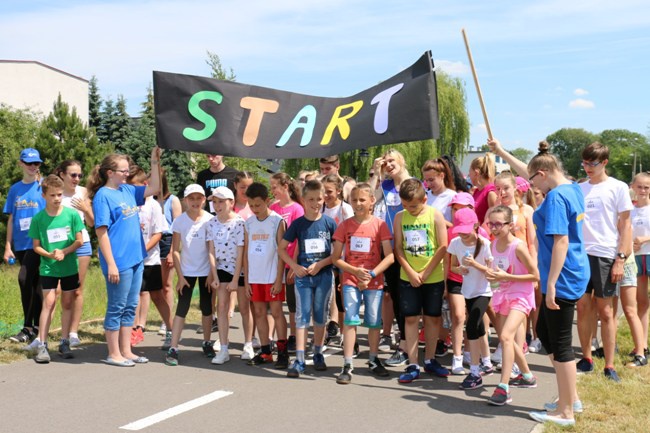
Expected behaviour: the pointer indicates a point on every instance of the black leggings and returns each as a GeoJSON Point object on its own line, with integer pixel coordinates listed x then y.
{"type": "Point", "coordinates": [392, 286]}
{"type": "Point", "coordinates": [476, 308]}
{"type": "Point", "coordinates": [31, 294]}
{"type": "Point", "coordinates": [184, 300]}
{"type": "Point", "coordinates": [554, 329]}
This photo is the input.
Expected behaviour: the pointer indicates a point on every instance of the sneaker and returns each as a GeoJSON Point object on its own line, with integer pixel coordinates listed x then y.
{"type": "Point", "coordinates": [544, 417]}
{"type": "Point", "coordinates": [552, 406]}
{"type": "Point", "coordinates": [497, 355]}
{"type": "Point", "coordinates": [64, 350]}
{"type": "Point", "coordinates": [172, 357]}
{"type": "Point", "coordinates": [297, 368]}
{"type": "Point", "coordinates": [486, 369]}
{"type": "Point", "coordinates": [214, 327]}
{"type": "Point", "coordinates": [515, 372]}
{"type": "Point", "coordinates": [333, 329]}
{"type": "Point", "coordinates": [529, 339]}
{"type": "Point", "coordinates": [256, 343]}
{"type": "Point", "coordinates": [411, 373]}
{"type": "Point", "coordinates": [247, 353]}
{"type": "Point", "coordinates": [261, 358]}
{"type": "Point", "coordinates": [222, 357]}
{"type": "Point", "coordinates": [208, 349]}
{"type": "Point", "coordinates": [43, 356]}
{"type": "Point", "coordinates": [611, 374]}
{"type": "Point", "coordinates": [457, 367]}
{"type": "Point", "coordinates": [535, 346]}
{"type": "Point", "coordinates": [598, 353]}
{"type": "Point", "coordinates": [162, 331]}
{"type": "Point", "coordinates": [385, 343]}
{"type": "Point", "coordinates": [319, 362]}
{"type": "Point", "coordinates": [377, 368]}
{"type": "Point", "coordinates": [168, 341]}
{"type": "Point", "coordinates": [585, 366]}
{"type": "Point", "coordinates": [441, 349]}
{"type": "Point", "coordinates": [283, 360]}
{"type": "Point", "coordinates": [137, 336]}
{"type": "Point", "coordinates": [638, 361]}
{"type": "Point", "coordinates": [24, 336]}
{"type": "Point", "coordinates": [471, 382]}
{"type": "Point", "coordinates": [75, 342]}
{"type": "Point", "coordinates": [432, 366]}
{"type": "Point", "coordinates": [521, 382]}
{"type": "Point", "coordinates": [345, 376]}
{"type": "Point", "coordinates": [291, 344]}
{"type": "Point", "coordinates": [500, 397]}
{"type": "Point", "coordinates": [525, 348]}
{"type": "Point", "coordinates": [397, 359]}
{"type": "Point", "coordinates": [33, 346]}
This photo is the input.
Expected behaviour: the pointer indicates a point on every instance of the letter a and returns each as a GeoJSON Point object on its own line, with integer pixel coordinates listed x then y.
{"type": "Point", "coordinates": [309, 112]}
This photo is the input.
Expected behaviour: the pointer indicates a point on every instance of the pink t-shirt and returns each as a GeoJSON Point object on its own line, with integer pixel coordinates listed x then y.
{"type": "Point", "coordinates": [362, 247]}
{"type": "Point", "coordinates": [244, 212]}
{"type": "Point", "coordinates": [481, 201]}
{"type": "Point", "coordinates": [289, 214]}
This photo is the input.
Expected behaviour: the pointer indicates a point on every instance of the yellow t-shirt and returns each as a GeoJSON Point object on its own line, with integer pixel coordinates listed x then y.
{"type": "Point", "coordinates": [420, 243]}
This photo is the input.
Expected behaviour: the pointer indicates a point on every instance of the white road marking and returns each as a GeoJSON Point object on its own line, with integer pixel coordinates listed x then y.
{"type": "Point", "coordinates": [176, 410]}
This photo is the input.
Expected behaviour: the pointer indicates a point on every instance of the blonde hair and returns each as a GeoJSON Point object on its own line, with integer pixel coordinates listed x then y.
{"type": "Point", "coordinates": [485, 165]}
{"type": "Point", "coordinates": [398, 157]}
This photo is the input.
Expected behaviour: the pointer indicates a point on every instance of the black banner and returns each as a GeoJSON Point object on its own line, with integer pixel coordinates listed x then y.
{"type": "Point", "coordinates": [205, 115]}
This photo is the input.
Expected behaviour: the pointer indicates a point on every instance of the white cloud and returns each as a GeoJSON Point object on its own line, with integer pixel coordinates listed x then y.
{"type": "Point", "coordinates": [452, 68]}
{"type": "Point", "coordinates": [582, 104]}
{"type": "Point", "coordinates": [580, 92]}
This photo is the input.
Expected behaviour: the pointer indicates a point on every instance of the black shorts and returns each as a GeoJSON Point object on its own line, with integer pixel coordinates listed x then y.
{"type": "Point", "coordinates": [600, 282]}
{"type": "Point", "coordinates": [152, 278]}
{"type": "Point", "coordinates": [454, 287]}
{"type": "Point", "coordinates": [426, 299]}
{"type": "Point", "coordinates": [476, 308]}
{"type": "Point", "coordinates": [67, 283]}
{"type": "Point", "coordinates": [224, 277]}
{"type": "Point", "coordinates": [241, 282]}
{"type": "Point", "coordinates": [554, 329]}
{"type": "Point", "coordinates": [165, 245]}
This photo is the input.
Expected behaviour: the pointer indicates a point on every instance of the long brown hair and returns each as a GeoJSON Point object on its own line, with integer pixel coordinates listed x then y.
{"type": "Point", "coordinates": [98, 176]}
{"type": "Point", "coordinates": [294, 191]}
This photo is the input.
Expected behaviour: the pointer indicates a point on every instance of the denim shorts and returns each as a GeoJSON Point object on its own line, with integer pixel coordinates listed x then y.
{"type": "Point", "coordinates": [629, 274]}
{"type": "Point", "coordinates": [313, 295]}
{"type": "Point", "coordinates": [84, 250]}
{"type": "Point", "coordinates": [372, 299]}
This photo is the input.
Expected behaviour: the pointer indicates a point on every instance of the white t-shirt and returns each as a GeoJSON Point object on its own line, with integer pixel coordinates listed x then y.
{"type": "Point", "coordinates": [339, 213]}
{"type": "Point", "coordinates": [604, 201]}
{"type": "Point", "coordinates": [262, 249]}
{"type": "Point", "coordinates": [80, 193]}
{"type": "Point", "coordinates": [441, 202]}
{"type": "Point", "coordinates": [226, 237]}
{"type": "Point", "coordinates": [641, 227]}
{"type": "Point", "coordinates": [194, 246]}
{"type": "Point", "coordinates": [152, 221]}
{"type": "Point", "coordinates": [474, 283]}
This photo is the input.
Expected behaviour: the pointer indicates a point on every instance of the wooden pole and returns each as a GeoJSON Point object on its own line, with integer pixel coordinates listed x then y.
{"type": "Point", "coordinates": [478, 87]}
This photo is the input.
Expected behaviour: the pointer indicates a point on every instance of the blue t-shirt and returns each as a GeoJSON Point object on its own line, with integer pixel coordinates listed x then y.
{"type": "Point", "coordinates": [118, 210]}
{"type": "Point", "coordinates": [314, 239]}
{"type": "Point", "coordinates": [562, 213]}
{"type": "Point", "coordinates": [23, 202]}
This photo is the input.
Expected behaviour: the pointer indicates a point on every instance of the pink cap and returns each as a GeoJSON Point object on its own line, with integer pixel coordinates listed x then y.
{"type": "Point", "coordinates": [522, 184]}
{"type": "Point", "coordinates": [463, 198]}
{"type": "Point", "coordinates": [464, 221]}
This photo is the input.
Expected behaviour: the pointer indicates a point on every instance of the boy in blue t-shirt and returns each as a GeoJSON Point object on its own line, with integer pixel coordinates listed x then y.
{"type": "Point", "coordinates": [313, 270]}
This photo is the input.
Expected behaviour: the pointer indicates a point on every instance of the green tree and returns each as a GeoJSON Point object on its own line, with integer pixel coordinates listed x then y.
{"type": "Point", "coordinates": [567, 145]}
{"type": "Point", "coordinates": [522, 154]}
{"type": "Point", "coordinates": [106, 121]}
{"type": "Point", "coordinates": [623, 145]}
{"type": "Point", "coordinates": [94, 104]}
{"type": "Point", "coordinates": [121, 127]}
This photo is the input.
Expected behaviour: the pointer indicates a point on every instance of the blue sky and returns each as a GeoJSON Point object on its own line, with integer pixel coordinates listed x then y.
{"type": "Point", "coordinates": [542, 65]}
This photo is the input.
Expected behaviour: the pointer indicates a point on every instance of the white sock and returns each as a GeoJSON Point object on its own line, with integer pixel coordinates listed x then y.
{"type": "Point", "coordinates": [224, 347]}
{"type": "Point", "coordinates": [73, 335]}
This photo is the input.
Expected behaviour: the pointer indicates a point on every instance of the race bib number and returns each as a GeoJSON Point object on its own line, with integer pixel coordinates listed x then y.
{"type": "Point", "coordinates": [359, 244]}
{"type": "Point", "coordinates": [57, 235]}
{"type": "Point", "coordinates": [314, 246]}
{"type": "Point", "coordinates": [415, 239]}
{"type": "Point", "coordinates": [25, 223]}
{"type": "Point", "coordinates": [594, 205]}
{"type": "Point", "coordinates": [502, 263]}
{"type": "Point", "coordinates": [258, 248]}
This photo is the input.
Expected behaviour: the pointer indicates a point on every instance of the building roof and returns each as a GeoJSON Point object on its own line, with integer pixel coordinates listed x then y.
{"type": "Point", "coordinates": [45, 66]}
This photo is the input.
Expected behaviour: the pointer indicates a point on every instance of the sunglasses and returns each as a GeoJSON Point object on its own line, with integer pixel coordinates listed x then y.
{"type": "Point", "coordinates": [76, 175]}
{"type": "Point", "coordinates": [497, 226]}
{"type": "Point", "coordinates": [591, 164]}
{"type": "Point", "coordinates": [32, 163]}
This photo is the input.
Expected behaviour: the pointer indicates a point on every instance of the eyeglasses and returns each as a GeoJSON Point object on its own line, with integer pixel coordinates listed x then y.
{"type": "Point", "coordinates": [32, 163]}
{"type": "Point", "coordinates": [125, 172]}
{"type": "Point", "coordinates": [497, 226]}
{"type": "Point", "coordinates": [591, 164]}
{"type": "Point", "coordinates": [76, 175]}
{"type": "Point", "coordinates": [530, 179]}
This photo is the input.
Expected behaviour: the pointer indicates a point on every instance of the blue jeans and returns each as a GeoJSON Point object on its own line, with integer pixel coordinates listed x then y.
{"type": "Point", "coordinates": [123, 298]}
{"type": "Point", "coordinates": [313, 295]}
{"type": "Point", "coordinates": [372, 299]}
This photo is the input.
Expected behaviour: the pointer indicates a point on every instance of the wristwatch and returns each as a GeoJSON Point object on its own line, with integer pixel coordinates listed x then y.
{"type": "Point", "coordinates": [372, 274]}
{"type": "Point", "coordinates": [621, 256]}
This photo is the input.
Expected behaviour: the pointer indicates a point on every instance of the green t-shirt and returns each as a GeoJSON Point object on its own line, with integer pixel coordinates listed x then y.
{"type": "Point", "coordinates": [420, 243]}
{"type": "Point", "coordinates": [57, 232]}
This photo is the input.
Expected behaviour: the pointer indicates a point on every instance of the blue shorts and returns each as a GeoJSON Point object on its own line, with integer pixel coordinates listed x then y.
{"type": "Point", "coordinates": [313, 295]}
{"type": "Point", "coordinates": [372, 299]}
{"type": "Point", "coordinates": [85, 250]}
{"type": "Point", "coordinates": [642, 263]}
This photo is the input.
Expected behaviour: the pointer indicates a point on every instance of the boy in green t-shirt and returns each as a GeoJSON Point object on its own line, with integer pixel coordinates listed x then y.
{"type": "Point", "coordinates": [56, 232]}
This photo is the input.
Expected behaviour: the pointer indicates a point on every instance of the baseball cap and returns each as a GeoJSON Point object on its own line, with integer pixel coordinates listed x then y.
{"type": "Point", "coordinates": [522, 184]}
{"type": "Point", "coordinates": [464, 221]}
{"type": "Point", "coordinates": [193, 188]}
{"type": "Point", "coordinates": [463, 198]}
{"type": "Point", "coordinates": [30, 155]}
{"type": "Point", "coordinates": [222, 192]}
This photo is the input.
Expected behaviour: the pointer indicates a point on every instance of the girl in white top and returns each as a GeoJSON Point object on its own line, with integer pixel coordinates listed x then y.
{"type": "Point", "coordinates": [191, 262]}
{"type": "Point", "coordinates": [225, 236]}
{"type": "Point", "coordinates": [640, 217]}
{"type": "Point", "coordinates": [76, 197]}
{"type": "Point", "coordinates": [440, 186]}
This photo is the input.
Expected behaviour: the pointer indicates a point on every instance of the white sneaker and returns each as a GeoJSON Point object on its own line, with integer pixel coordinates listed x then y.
{"type": "Point", "coordinates": [75, 342]}
{"type": "Point", "coordinates": [515, 371]}
{"type": "Point", "coordinates": [497, 355]}
{"type": "Point", "coordinates": [535, 346]}
{"type": "Point", "coordinates": [256, 343]}
{"type": "Point", "coordinates": [247, 353]}
{"type": "Point", "coordinates": [162, 330]}
{"type": "Point", "coordinates": [33, 346]}
{"type": "Point", "coordinates": [221, 358]}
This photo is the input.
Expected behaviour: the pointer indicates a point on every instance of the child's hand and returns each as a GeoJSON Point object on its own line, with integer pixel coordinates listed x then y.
{"type": "Point", "coordinates": [181, 284]}
{"type": "Point", "coordinates": [468, 260]}
{"type": "Point", "coordinates": [214, 285]}
{"type": "Point", "coordinates": [276, 289]}
{"type": "Point", "coordinates": [362, 274]}
{"type": "Point", "coordinates": [232, 286]}
{"type": "Point", "coordinates": [313, 269]}
{"type": "Point", "coordinates": [415, 279]}
{"type": "Point", "coordinates": [249, 290]}
{"type": "Point", "coordinates": [113, 274]}
{"type": "Point", "coordinates": [496, 275]}
{"type": "Point", "coordinates": [363, 285]}
{"type": "Point", "coordinates": [58, 255]}
{"type": "Point", "coordinates": [300, 271]}
{"type": "Point", "coordinates": [169, 261]}
{"type": "Point", "coordinates": [637, 243]}
{"type": "Point", "coordinates": [463, 270]}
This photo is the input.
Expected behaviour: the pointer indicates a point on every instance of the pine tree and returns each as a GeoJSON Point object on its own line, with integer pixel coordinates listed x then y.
{"type": "Point", "coordinates": [122, 126]}
{"type": "Point", "coordinates": [107, 119]}
{"type": "Point", "coordinates": [94, 104]}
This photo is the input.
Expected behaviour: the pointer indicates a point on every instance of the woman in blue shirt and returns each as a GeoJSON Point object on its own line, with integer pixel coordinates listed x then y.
{"type": "Point", "coordinates": [121, 248]}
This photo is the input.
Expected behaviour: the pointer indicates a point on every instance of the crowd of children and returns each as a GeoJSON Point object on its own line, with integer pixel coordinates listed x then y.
{"type": "Point", "coordinates": [519, 253]}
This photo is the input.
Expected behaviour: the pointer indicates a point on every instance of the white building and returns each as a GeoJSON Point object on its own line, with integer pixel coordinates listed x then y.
{"type": "Point", "coordinates": [475, 153]}
{"type": "Point", "coordinates": [36, 86]}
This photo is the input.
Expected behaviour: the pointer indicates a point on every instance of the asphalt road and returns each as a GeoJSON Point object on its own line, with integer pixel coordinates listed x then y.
{"type": "Point", "coordinates": [84, 395]}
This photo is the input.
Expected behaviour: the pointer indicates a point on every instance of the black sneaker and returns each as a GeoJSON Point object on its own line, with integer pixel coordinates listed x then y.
{"type": "Point", "coordinates": [64, 349]}
{"type": "Point", "coordinates": [638, 361]}
{"type": "Point", "coordinates": [345, 376]}
{"type": "Point", "coordinates": [291, 344]}
{"type": "Point", "coordinates": [24, 336]}
{"type": "Point", "coordinates": [397, 359]}
{"type": "Point", "coordinates": [611, 374]}
{"type": "Point", "coordinates": [208, 349]}
{"type": "Point", "coordinates": [261, 358]}
{"type": "Point", "coordinates": [171, 357]}
{"type": "Point", "coordinates": [283, 361]}
{"type": "Point", "coordinates": [377, 368]}
{"type": "Point", "coordinates": [214, 328]}
{"type": "Point", "coordinates": [333, 329]}
{"type": "Point", "coordinates": [319, 362]}
{"type": "Point", "coordinates": [441, 349]}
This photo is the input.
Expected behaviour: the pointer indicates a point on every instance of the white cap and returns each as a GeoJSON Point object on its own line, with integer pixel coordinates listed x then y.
{"type": "Point", "coordinates": [222, 192]}
{"type": "Point", "coordinates": [193, 188]}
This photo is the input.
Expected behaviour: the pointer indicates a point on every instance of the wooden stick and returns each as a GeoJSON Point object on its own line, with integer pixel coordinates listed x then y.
{"type": "Point", "coordinates": [478, 87]}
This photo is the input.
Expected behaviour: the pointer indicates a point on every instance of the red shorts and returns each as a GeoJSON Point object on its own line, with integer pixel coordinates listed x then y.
{"type": "Point", "coordinates": [262, 293]}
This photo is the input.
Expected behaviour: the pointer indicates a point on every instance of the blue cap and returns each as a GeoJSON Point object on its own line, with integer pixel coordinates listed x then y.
{"type": "Point", "coordinates": [30, 155]}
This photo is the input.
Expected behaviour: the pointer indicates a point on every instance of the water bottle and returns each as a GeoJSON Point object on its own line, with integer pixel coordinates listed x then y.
{"type": "Point", "coordinates": [11, 260]}
{"type": "Point", "coordinates": [494, 285]}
